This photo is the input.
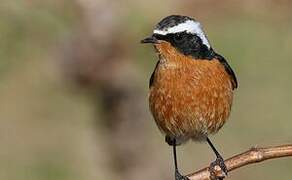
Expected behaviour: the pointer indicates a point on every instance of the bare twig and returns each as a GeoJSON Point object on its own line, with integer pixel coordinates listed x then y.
{"type": "Point", "coordinates": [254, 155]}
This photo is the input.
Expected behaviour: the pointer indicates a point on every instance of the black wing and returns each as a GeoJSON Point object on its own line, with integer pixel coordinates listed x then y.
{"type": "Point", "coordinates": [228, 69]}
{"type": "Point", "coordinates": [152, 75]}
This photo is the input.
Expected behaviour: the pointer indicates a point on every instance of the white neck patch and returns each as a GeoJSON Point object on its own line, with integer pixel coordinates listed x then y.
{"type": "Point", "coordinates": [189, 26]}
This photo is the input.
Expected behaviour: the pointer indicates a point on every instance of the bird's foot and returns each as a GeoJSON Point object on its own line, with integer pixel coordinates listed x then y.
{"type": "Point", "coordinates": [218, 169]}
{"type": "Point", "coordinates": [179, 176]}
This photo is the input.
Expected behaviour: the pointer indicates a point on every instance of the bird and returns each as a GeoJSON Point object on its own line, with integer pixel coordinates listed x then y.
{"type": "Point", "coordinates": [192, 86]}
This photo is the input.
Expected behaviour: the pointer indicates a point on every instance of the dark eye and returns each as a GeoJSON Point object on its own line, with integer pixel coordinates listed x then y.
{"type": "Point", "coordinates": [178, 38]}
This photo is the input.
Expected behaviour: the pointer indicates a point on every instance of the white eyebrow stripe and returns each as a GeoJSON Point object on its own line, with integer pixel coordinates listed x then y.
{"type": "Point", "coordinates": [188, 26]}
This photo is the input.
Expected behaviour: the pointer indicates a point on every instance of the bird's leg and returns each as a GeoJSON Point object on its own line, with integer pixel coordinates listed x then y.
{"type": "Point", "coordinates": [178, 175]}
{"type": "Point", "coordinates": [218, 162]}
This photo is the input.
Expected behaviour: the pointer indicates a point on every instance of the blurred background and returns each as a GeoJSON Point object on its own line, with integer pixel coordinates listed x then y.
{"type": "Point", "coordinates": [74, 84]}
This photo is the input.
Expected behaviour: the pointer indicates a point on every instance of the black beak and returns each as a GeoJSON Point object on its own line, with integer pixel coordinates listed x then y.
{"type": "Point", "coordinates": [150, 39]}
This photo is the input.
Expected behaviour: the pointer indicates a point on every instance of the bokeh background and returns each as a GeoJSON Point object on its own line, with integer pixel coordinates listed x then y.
{"type": "Point", "coordinates": [74, 83]}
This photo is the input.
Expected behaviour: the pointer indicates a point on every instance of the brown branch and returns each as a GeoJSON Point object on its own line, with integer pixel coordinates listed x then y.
{"type": "Point", "coordinates": [254, 155]}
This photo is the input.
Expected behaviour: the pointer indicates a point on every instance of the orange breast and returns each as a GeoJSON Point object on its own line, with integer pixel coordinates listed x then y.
{"type": "Point", "coordinates": [190, 98]}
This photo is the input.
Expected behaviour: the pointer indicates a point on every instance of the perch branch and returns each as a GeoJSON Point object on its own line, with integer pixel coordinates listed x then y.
{"type": "Point", "coordinates": [254, 155]}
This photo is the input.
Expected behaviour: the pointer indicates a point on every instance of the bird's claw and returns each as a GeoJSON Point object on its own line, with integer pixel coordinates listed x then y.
{"type": "Point", "coordinates": [178, 176]}
{"type": "Point", "coordinates": [218, 162]}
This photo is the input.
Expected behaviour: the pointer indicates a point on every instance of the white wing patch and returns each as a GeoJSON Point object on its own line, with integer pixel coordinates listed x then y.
{"type": "Point", "coordinates": [189, 26]}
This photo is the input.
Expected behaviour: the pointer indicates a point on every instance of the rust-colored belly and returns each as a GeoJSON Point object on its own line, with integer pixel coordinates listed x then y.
{"type": "Point", "coordinates": [190, 99]}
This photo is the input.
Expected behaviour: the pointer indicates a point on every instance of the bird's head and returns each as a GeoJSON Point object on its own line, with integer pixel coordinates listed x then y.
{"type": "Point", "coordinates": [182, 33]}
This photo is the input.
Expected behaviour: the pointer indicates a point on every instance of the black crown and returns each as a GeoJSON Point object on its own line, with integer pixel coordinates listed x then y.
{"type": "Point", "coordinates": [171, 21]}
